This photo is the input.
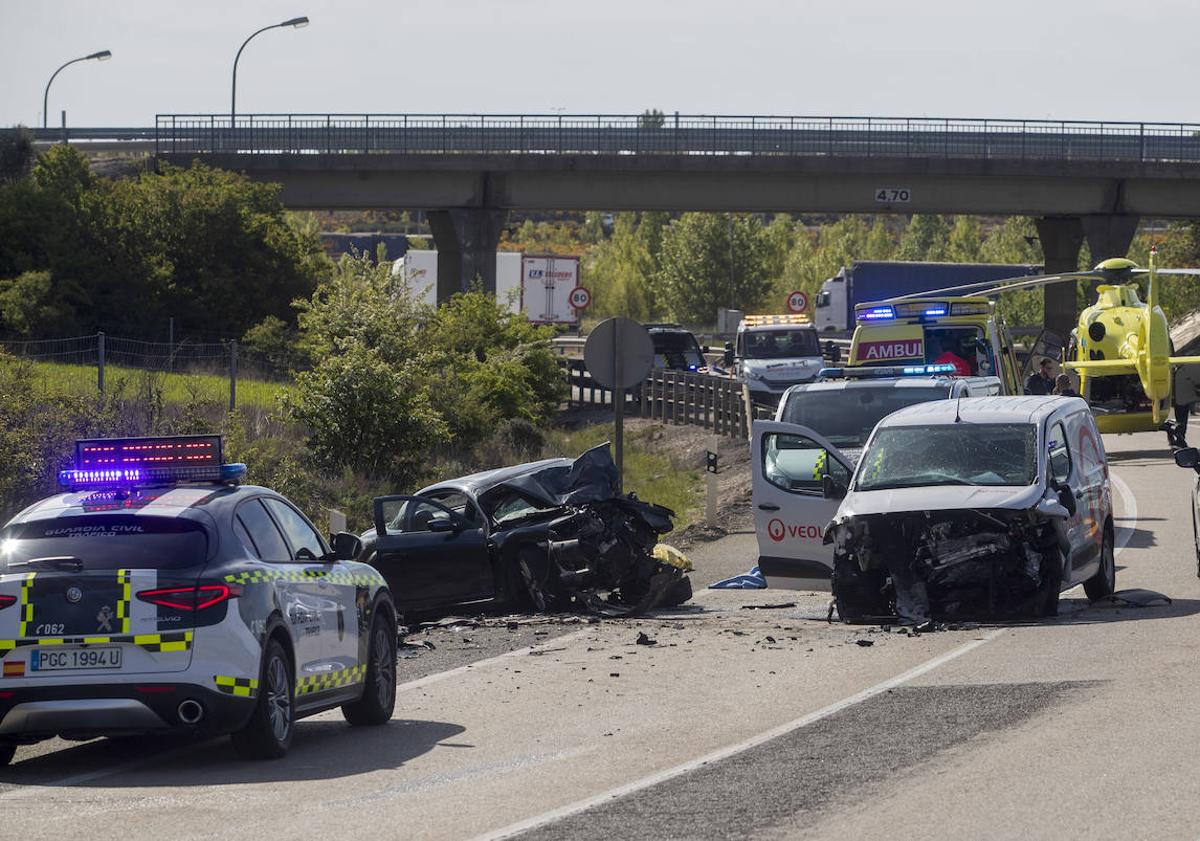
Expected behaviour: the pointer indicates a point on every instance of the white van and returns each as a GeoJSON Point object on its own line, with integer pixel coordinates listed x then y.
{"type": "Point", "coordinates": [988, 505]}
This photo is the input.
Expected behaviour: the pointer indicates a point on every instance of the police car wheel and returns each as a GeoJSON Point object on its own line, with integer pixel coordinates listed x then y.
{"type": "Point", "coordinates": [268, 735]}
{"type": "Point", "coordinates": [7, 750]}
{"type": "Point", "coordinates": [379, 692]}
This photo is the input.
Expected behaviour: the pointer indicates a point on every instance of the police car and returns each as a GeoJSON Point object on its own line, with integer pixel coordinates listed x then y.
{"type": "Point", "coordinates": [159, 594]}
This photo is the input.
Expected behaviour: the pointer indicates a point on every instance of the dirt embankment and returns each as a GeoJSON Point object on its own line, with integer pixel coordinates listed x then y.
{"type": "Point", "coordinates": [686, 446]}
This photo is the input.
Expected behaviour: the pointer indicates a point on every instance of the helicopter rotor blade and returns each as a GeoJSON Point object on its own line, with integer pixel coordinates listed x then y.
{"type": "Point", "coordinates": [995, 287]}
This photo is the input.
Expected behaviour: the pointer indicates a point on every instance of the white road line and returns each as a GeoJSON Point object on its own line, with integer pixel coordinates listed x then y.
{"type": "Point", "coordinates": [732, 750]}
{"type": "Point", "coordinates": [1129, 506]}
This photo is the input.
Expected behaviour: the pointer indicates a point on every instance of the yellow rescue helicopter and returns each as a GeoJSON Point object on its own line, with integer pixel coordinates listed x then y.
{"type": "Point", "coordinates": [1121, 347]}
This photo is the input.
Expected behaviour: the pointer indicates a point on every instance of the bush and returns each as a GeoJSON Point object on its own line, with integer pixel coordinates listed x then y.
{"type": "Point", "coordinates": [366, 413]}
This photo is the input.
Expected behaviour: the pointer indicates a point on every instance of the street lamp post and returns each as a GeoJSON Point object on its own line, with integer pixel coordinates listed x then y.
{"type": "Point", "coordinates": [103, 55]}
{"type": "Point", "coordinates": [297, 23]}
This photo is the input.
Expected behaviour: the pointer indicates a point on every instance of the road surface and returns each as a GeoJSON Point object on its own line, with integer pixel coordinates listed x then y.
{"type": "Point", "coordinates": [738, 724]}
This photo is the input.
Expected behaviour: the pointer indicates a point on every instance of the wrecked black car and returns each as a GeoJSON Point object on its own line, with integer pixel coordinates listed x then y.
{"type": "Point", "coordinates": [981, 507]}
{"type": "Point", "coordinates": [550, 535]}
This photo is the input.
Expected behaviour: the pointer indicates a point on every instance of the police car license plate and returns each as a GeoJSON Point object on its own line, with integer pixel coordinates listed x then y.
{"type": "Point", "coordinates": [69, 659]}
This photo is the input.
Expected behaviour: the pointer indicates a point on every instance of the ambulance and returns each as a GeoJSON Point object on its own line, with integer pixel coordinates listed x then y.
{"type": "Point", "coordinates": [963, 332]}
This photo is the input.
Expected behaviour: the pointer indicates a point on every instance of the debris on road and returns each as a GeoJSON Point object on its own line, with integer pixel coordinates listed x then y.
{"type": "Point", "coordinates": [1133, 598]}
{"type": "Point", "coordinates": [780, 606]}
{"type": "Point", "coordinates": [752, 580]}
{"type": "Point", "coordinates": [642, 639]}
{"type": "Point", "coordinates": [864, 643]}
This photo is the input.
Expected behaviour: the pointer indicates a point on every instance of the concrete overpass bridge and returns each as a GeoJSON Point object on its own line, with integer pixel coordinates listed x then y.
{"type": "Point", "coordinates": [1081, 180]}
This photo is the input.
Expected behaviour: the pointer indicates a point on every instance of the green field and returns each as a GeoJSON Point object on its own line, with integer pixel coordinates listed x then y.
{"type": "Point", "coordinates": [182, 388]}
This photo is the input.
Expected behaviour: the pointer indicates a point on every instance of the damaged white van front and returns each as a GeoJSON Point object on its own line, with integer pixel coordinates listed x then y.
{"type": "Point", "coordinates": [977, 507]}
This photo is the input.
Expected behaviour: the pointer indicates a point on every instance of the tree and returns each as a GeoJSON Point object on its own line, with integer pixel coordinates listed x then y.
{"type": "Point", "coordinates": [210, 248]}
{"type": "Point", "coordinates": [619, 273]}
{"type": "Point", "coordinates": [926, 238]}
{"type": "Point", "coordinates": [652, 118]}
{"type": "Point", "coordinates": [16, 153]}
{"type": "Point", "coordinates": [965, 244]}
{"type": "Point", "coordinates": [711, 260]}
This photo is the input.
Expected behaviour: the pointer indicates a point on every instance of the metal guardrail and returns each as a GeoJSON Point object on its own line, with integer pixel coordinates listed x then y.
{"type": "Point", "coordinates": [449, 134]}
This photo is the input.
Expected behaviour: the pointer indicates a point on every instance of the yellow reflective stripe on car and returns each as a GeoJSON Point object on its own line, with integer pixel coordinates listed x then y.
{"type": "Point", "coordinates": [26, 604]}
{"type": "Point", "coordinates": [331, 680]}
{"type": "Point", "coordinates": [241, 687]}
{"type": "Point", "coordinates": [181, 641]}
{"type": "Point", "coordinates": [178, 641]}
{"type": "Point", "coordinates": [262, 576]}
{"type": "Point", "coordinates": [123, 576]}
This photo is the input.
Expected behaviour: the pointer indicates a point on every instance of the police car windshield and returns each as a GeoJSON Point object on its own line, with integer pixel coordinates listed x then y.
{"type": "Point", "coordinates": [781, 344]}
{"type": "Point", "coordinates": [847, 416]}
{"type": "Point", "coordinates": [951, 454]}
{"type": "Point", "coordinates": [107, 542]}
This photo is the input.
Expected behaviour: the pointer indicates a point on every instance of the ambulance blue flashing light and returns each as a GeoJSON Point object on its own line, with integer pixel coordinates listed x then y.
{"type": "Point", "coordinates": [935, 311]}
{"type": "Point", "coordinates": [885, 313]}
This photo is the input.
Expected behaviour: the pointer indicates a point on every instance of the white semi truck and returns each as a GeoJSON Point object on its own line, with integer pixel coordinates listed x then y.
{"type": "Point", "coordinates": [538, 285]}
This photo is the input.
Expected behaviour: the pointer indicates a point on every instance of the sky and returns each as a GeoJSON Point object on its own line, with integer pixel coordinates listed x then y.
{"type": "Point", "coordinates": [1035, 59]}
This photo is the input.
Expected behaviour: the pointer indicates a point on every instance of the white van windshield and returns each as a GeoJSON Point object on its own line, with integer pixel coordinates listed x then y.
{"type": "Point", "coordinates": [953, 454]}
{"type": "Point", "coordinates": [846, 417]}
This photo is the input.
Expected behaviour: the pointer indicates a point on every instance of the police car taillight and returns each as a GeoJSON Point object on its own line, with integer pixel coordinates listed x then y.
{"type": "Point", "coordinates": [116, 463]}
{"type": "Point", "coordinates": [7, 601]}
{"type": "Point", "coordinates": [198, 597]}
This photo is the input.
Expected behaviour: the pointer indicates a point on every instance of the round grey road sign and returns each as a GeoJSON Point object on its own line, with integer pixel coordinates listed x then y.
{"type": "Point", "coordinates": [618, 353]}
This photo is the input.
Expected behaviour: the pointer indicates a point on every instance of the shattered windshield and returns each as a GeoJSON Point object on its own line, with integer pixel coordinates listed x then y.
{"type": "Point", "coordinates": [953, 454]}
{"type": "Point", "coordinates": [846, 417]}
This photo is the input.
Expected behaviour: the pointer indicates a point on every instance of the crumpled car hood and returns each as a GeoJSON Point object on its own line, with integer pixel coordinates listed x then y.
{"type": "Point", "coordinates": [938, 498]}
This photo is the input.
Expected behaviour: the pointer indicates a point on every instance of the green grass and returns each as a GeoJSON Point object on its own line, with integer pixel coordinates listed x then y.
{"type": "Point", "coordinates": [653, 476]}
{"type": "Point", "coordinates": [182, 388]}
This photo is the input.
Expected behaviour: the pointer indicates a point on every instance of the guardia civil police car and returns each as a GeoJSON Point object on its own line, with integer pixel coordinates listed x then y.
{"type": "Point", "coordinates": [159, 594]}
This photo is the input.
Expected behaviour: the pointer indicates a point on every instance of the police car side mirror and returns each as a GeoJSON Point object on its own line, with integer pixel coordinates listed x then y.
{"type": "Point", "coordinates": [727, 358]}
{"type": "Point", "coordinates": [1187, 457]}
{"type": "Point", "coordinates": [346, 546]}
{"type": "Point", "coordinates": [831, 488]}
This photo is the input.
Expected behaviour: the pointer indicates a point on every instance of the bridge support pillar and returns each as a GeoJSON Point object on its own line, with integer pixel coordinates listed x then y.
{"type": "Point", "coordinates": [466, 241]}
{"type": "Point", "coordinates": [1061, 238]}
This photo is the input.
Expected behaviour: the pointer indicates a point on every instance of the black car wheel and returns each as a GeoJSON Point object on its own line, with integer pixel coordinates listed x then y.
{"type": "Point", "coordinates": [268, 735]}
{"type": "Point", "coordinates": [378, 700]}
{"type": "Point", "coordinates": [7, 751]}
{"type": "Point", "coordinates": [1104, 582]}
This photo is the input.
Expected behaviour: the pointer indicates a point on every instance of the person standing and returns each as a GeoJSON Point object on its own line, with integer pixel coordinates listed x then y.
{"type": "Point", "coordinates": [1185, 393]}
{"type": "Point", "coordinates": [1041, 381]}
{"type": "Point", "coordinates": [1063, 387]}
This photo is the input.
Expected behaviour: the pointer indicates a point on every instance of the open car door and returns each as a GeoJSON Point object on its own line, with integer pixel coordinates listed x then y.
{"type": "Point", "coordinates": [430, 554]}
{"type": "Point", "coordinates": [799, 479]}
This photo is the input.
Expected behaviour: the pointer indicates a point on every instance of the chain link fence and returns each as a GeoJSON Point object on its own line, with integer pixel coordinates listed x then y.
{"type": "Point", "coordinates": [112, 354]}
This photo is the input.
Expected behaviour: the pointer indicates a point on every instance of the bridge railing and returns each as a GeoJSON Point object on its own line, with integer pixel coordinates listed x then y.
{"type": "Point", "coordinates": [499, 134]}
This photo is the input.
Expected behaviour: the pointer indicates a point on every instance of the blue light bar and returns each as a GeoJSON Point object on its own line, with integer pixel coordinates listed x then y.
{"type": "Point", "coordinates": [864, 372]}
{"type": "Point", "coordinates": [119, 463]}
{"type": "Point", "coordinates": [933, 311]}
{"type": "Point", "coordinates": [883, 313]}
{"type": "Point", "coordinates": [919, 370]}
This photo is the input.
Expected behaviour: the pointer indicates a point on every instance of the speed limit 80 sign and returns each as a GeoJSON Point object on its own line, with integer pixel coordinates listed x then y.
{"type": "Point", "coordinates": [797, 301]}
{"type": "Point", "coordinates": [580, 297]}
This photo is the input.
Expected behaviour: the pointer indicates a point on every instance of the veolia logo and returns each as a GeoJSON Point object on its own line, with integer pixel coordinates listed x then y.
{"type": "Point", "coordinates": [776, 530]}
